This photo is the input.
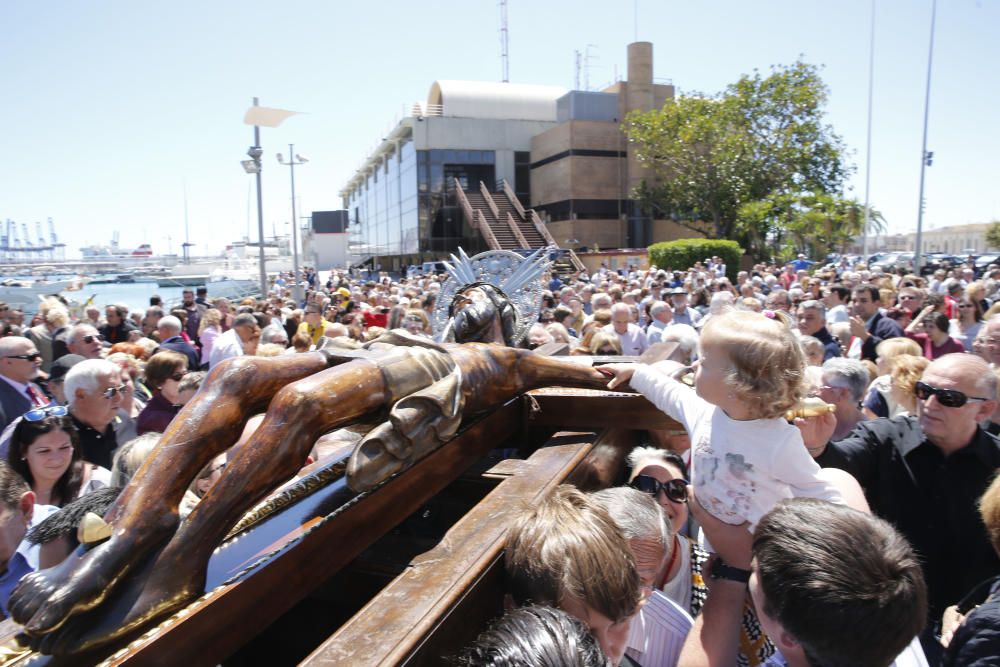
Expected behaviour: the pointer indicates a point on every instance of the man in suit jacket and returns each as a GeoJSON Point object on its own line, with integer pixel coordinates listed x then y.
{"type": "Point", "coordinates": [169, 328]}
{"type": "Point", "coordinates": [868, 324]}
{"type": "Point", "coordinates": [20, 362]}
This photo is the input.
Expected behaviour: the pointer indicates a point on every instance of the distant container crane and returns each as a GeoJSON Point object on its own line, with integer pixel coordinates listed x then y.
{"type": "Point", "coordinates": [15, 248]}
{"type": "Point", "coordinates": [58, 249]}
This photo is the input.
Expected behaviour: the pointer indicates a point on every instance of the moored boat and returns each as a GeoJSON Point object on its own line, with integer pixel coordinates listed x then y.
{"type": "Point", "coordinates": [25, 294]}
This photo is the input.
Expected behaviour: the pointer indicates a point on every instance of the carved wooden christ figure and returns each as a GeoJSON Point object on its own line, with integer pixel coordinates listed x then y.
{"type": "Point", "coordinates": [152, 563]}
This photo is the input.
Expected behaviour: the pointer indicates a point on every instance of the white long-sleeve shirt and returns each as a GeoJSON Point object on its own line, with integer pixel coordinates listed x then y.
{"type": "Point", "coordinates": [739, 469]}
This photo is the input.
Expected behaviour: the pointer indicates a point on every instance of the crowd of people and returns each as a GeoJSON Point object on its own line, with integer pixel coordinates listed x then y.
{"type": "Point", "coordinates": [842, 569]}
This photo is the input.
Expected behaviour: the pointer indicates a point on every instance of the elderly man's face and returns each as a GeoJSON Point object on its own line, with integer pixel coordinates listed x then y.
{"type": "Point", "coordinates": [87, 343]}
{"type": "Point", "coordinates": [831, 393]}
{"type": "Point", "coordinates": [100, 405]}
{"type": "Point", "coordinates": [941, 423]}
{"type": "Point", "coordinates": [650, 557]}
{"type": "Point", "coordinates": [620, 319]}
{"type": "Point", "coordinates": [21, 370]}
{"type": "Point", "coordinates": [810, 321]}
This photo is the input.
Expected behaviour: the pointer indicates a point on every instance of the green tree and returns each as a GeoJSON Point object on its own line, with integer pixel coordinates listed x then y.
{"type": "Point", "coordinates": [743, 158]}
{"type": "Point", "coordinates": [811, 223]}
{"type": "Point", "coordinates": [993, 234]}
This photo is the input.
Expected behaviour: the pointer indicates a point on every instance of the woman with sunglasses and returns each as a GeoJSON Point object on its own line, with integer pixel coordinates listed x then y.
{"type": "Point", "coordinates": [164, 372]}
{"type": "Point", "coordinates": [663, 474]}
{"type": "Point", "coordinates": [44, 450]}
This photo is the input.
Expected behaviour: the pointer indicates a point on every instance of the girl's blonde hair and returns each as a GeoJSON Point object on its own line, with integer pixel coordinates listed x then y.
{"type": "Point", "coordinates": [893, 347]}
{"type": "Point", "coordinates": [905, 371]}
{"type": "Point", "coordinates": [602, 338]}
{"type": "Point", "coordinates": [212, 317]}
{"type": "Point", "coordinates": [767, 362]}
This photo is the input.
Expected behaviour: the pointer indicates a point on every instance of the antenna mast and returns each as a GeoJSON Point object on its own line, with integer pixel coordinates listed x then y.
{"type": "Point", "coordinates": [504, 42]}
{"type": "Point", "coordinates": [576, 58]}
{"type": "Point", "coordinates": [586, 65]}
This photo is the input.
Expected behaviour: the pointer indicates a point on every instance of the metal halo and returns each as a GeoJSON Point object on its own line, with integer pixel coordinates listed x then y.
{"type": "Point", "coordinates": [495, 267]}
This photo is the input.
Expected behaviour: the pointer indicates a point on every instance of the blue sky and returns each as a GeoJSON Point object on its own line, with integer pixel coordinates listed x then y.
{"type": "Point", "coordinates": [111, 110]}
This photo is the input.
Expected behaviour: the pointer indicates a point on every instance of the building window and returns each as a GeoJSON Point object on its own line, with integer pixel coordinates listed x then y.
{"type": "Point", "coordinates": [522, 176]}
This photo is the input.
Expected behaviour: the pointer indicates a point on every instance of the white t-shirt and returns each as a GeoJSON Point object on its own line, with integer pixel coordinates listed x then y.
{"type": "Point", "coordinates": [740, 469]}
{"type": "Point", "coordinates": [226, 345]}
{"type": "Point", "coordinates": [837, 314]}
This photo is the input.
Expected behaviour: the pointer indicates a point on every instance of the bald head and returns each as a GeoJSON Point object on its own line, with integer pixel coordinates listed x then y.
{"type": "Point", "coordinates": [335, 330]}
{"type": "Point", "coordinates": [969, 367]}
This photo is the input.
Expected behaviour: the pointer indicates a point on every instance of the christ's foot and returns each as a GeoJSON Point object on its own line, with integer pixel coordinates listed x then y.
{"type": "Point", "coordinates": [44, 600]}
{"type": "Point", "coordinates": [149, 593]}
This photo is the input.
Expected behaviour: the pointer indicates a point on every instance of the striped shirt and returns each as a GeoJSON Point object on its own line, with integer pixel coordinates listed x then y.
{"type": "Point", "coordinates": [658, 632]}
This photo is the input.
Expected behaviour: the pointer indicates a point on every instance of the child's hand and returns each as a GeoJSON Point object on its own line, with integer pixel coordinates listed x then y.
{"type": "Point", "coordinates": [619, 373]}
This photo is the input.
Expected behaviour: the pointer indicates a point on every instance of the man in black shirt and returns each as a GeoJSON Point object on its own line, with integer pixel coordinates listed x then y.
{"type": "Point", "coordinates": [94, 389]}
{"type": "Point", "coordinates": [118, 325]}
{"type": "Point", "coordinates": [925, 473]}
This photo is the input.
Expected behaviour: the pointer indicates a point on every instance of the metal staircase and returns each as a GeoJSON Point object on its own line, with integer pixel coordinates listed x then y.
{"type": "Point", "coordinates": [506, 225]}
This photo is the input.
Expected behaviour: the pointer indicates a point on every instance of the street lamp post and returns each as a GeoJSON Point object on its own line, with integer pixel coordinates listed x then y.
{"type": "Point", "coordinates": [252, 166]}
{"type": "Point", "coordinates": [926, 157]}
{"type": "Point", "coordinates": [268, 117]}
{"type": "Point", "coordinates": [293, 160]}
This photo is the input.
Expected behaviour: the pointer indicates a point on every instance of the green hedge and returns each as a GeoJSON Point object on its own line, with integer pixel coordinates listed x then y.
{"type": "Point", "coordinates": [681, 255]}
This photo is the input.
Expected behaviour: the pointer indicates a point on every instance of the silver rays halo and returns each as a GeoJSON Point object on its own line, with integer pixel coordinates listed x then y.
{"type": "Point", "coordinates": [516, 275]}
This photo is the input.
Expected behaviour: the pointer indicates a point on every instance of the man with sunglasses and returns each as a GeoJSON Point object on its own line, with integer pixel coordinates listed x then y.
{"type": "Point", "coordinates": [94, 390]}
{"type": "Point", "coordinates": [84, 340]}
{"type": "Point", "coordinates": [20, 363]}
{"type": "Point", "coordinates": [925, 473]}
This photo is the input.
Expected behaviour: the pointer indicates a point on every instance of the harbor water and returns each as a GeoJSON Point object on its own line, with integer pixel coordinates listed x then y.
{"type": "Point", "coordinates": [134, 295]}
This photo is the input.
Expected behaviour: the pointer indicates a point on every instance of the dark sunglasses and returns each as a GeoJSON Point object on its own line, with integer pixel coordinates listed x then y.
{"type": "Point", "coordinates": [90, 338]}
{"type": "Point", "coordinates": [110, 392]}
{"type": "Point", "coordinates": [38, 414]}
{"type": "Point", "coordinates": [676, 489]}
{"type": "Point", "coordinates": [949, 398]}
{"type": "Point", "coordinates": [34, 356]}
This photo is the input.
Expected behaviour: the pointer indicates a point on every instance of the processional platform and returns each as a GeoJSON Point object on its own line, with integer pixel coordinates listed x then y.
{"type": "Point", "coordinates": [403, 574]}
